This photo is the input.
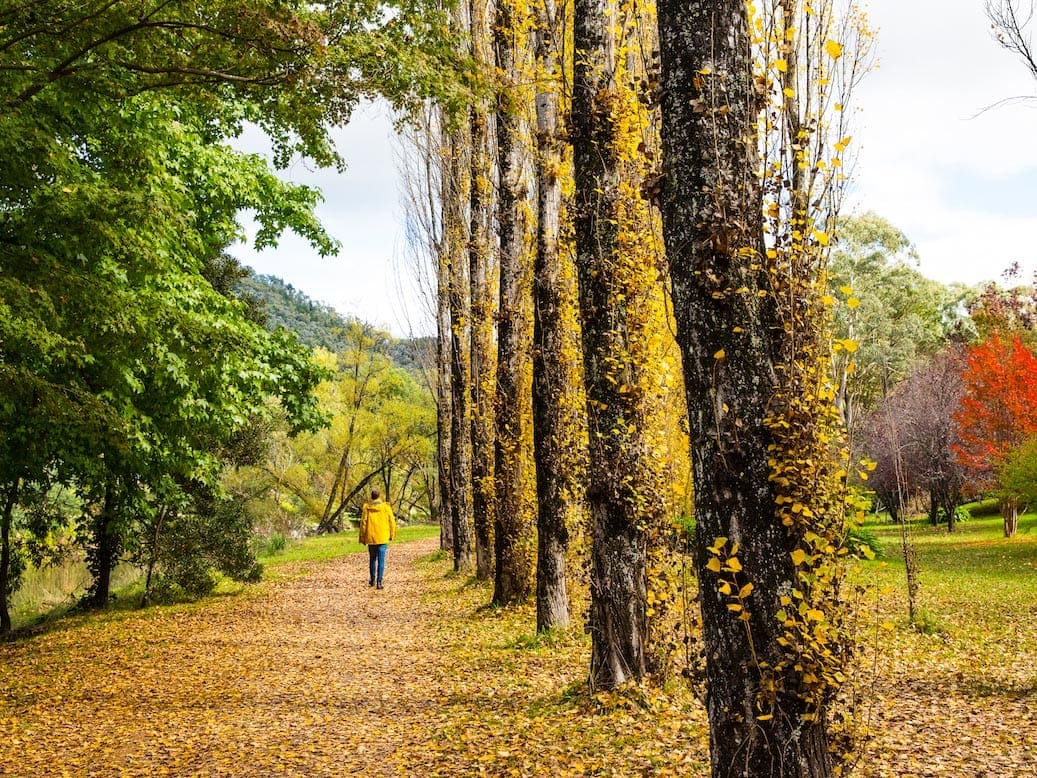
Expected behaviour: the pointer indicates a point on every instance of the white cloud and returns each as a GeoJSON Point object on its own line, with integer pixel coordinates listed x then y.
{"type": "Point", "coordinates": [361, 211]}
{"type": "Point", "coordinates": [959, 180]}
{"type": "Point", "coordinates": [962, 186]}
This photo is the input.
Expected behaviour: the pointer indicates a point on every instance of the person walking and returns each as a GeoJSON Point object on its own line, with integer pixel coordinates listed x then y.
{"type": "Point", "coordinates": [377, 528]}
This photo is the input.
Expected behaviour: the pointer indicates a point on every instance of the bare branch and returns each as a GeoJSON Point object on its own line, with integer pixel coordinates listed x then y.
{"type": "Point", "coordinates": [1009, 27]}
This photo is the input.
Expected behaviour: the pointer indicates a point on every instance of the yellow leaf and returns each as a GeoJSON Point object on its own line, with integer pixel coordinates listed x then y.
{"type": "Point", "coordinates": [745, 591]}
{"type": "Point", "coordinates": [850, 345]}
{"type": "Point", "coordinates": [706, 71]}
{"type": "Point", "coordinates": [720, 354]}
{"type": "Point", "coordinates": [842, 144]}
{"type": "Point", "coordinates": [713, 564]}
{"type": "Point", "coordinates": [718, 544]}
{"type": "Point", "coordinates": [828, 300]}
{"type": "Point", "coordinates": [834, 49]}
{"type": "Point", "coordinates": [853, 302]}
{"type": "Point", "coordinates": [798, 556]}
{"type": "Point", "coordinates": [724, 587]}
{"type": "Point", "coordinates": [888, 626]}
{"type": "Point", "coordinates": [733, 565]}
{"type": "Point", "coordinates": [846, 290]}
{"type": "Point", "coordinates": [734, 607]}
{"type": "Point", "coordinates": [782, 65]}
{"type": "Point", "coordinates": [821, 237]}
{"type": "Point", "coordinates": [815, 615]}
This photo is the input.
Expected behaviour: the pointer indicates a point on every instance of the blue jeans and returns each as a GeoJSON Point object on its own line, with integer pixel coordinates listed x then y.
{"type": "Point", "coordinates": [377, 554]}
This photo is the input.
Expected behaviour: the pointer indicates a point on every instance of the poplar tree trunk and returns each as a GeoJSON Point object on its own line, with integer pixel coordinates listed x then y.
{"type": "Point", "coordinates": [551, 427]}
{"type": "Point", "coordinates": [444, 403]}
{"type": "Point", "coordinates": [618, 556]}
{"type": "Point", "coordinates": [712, 219]}
{"type": "Point", "coordinates": [444, 393]}
{"type": "Point", "coordinates": [513, 579]}
{"type": "Point", "coordinates": [481, 261]}
{"type": "Point", "coordinates": [455, 235]}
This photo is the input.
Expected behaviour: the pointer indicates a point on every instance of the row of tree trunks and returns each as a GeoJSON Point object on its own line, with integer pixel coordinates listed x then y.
{"type": "Point", "coordinates": [729, 329]}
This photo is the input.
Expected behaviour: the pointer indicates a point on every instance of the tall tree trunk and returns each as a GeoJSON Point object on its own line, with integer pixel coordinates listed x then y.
{"type": "Point", "coordinates": [513, 579]}
{"type": "Point", "coordinates": [481, 263]}
{"type": "Point", "coordinates": [552, 429]}
{"type": "Point", "coordinates": [712, 218]}
{"type": "Point", "coordinates": [618, 555]}
{"type": "Point", "coordinates": [5, 555]}
{"type": "Point", "coordinates": [444, 393]}
{"type": "Point", "coordinates": [456, 239]}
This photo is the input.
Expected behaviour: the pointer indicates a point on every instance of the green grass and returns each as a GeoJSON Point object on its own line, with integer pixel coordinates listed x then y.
{"type": "Point", "coordinates": [977, 547]}
{"type": "Point", "coordinates": [975, 584]}
{"type": "Point", "coordinates": [322, 548]}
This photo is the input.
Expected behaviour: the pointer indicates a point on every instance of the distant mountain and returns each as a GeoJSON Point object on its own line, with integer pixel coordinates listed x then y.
{"type": "Point", "coordinates": [318, 324]}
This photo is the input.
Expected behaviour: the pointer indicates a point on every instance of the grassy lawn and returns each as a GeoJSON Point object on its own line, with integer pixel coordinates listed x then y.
{"type": "Point", "coordinates": [977, 599]}
{"type": "Point", "coordinates": [323, 548]}
{"type": "Point", "coordinates": [971, 580]}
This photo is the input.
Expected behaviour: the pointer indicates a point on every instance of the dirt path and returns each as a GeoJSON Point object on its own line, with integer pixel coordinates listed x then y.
{"type": "Point", "coordinates": [314, 675]}
{"type": "Point", "coordinates": [320, 675]}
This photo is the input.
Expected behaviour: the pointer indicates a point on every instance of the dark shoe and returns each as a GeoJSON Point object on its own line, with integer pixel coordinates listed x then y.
{"type": "Point", "coordinates": [370, 583]}
{"type": "Point", "coordinates": [380, 586]}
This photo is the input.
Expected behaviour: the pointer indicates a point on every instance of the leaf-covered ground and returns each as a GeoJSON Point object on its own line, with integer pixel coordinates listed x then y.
{"type": "Point", "coordinates": [316, 674]}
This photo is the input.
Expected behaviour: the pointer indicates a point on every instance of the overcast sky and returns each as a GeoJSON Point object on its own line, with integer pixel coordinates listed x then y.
{"type": "Point", "coordinates": [959, 180]}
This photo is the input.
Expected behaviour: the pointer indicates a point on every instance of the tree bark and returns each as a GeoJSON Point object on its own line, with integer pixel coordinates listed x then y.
{"type": "Point", "coordinates": [455, 196]}
{"type": "Point", "coordinates": [552, 430]}
{"type": "Point", "coordinates": [712, 222]}
{"type": "Point", "coordinates": [481, 264]}
{"type": "Point", "coordinates": [444, 393]}
{"type": "Point", "coordinates": [618, 556]}
{"type": "Point", "coordinates": [105, 550]}
{"type": "Point", "coordinates": [5, 555]}
{"type": "Point", "coordinates": [513, 578]}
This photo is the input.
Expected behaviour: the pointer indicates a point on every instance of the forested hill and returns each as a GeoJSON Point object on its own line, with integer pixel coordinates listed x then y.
{"type": "Point", "coordinates": [317, 323]}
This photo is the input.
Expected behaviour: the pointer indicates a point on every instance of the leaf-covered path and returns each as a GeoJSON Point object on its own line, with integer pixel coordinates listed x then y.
{"type": "Point", "coordinates": [316, 674]}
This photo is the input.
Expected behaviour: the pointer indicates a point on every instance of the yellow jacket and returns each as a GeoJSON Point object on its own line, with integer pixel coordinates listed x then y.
{"type": "Point", "coordinates": [377, 523]}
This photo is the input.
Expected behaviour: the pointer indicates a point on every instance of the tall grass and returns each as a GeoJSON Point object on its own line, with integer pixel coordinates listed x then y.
{"type": "Point", "coordinates": [52, 590]}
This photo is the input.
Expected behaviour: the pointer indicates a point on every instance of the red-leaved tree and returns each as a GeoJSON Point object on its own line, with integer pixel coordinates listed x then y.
{"type": "Point", "coordinates": [999, 410]}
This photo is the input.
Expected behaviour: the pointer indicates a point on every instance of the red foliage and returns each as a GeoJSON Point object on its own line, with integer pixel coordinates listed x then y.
{"type": "Point", "coordinates": [999, 409]}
